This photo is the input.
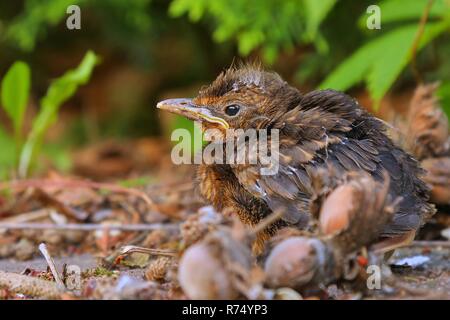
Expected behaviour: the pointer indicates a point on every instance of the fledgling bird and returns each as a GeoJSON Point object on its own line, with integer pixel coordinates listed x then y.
{"type": "Point", "coordinates": [316, 130]}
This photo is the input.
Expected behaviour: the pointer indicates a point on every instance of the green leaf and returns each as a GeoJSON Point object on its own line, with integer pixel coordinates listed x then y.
{"type": "Point", "coordinates": [316, 12]}
{"type": "Point", "coordinates": [251, 23]}
{"type": "Point", "coordinates": [7, 155]}
{"type": "Point", "coordinates": [444, 96]}
{"type": "Point", "coordinates": [270, 53]}
{"type": "Point", "coordinates": [396, 56]}
{"type": "Point", "coordinates": [381, 61]}
{"type": "Point", "coordinates": [249, 40]}
{"type": "Point", "coordinates": [36, 16]}
{"type": "Point", "coordinates": [352, 70]}
{"type": "Point", "coordinates": [15, 90]}
{"type": "Point", "coordinates": [194, 130]}
{"type": "Point", "coordinates": [59, 91]}
{"type": "Point", "coordinates": [194, 8]}
{"type": "Point", "coordinates": [401, 10]}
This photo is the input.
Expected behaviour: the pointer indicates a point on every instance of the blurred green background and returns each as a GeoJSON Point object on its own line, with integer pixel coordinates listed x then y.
{"type": "Point", "coordinates": [76, 88]}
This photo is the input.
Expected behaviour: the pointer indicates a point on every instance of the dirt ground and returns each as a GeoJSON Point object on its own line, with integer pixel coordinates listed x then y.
{"type": "Point", "coordinates": [85, 262]}
{"type": "Point", "coordinates": [424, 269]}
{"type": "Point", "coordinates": [419, 271]}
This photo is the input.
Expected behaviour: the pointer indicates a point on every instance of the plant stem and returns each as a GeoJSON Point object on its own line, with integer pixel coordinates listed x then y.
{"type": "Point", "coordinates": [418, 36]}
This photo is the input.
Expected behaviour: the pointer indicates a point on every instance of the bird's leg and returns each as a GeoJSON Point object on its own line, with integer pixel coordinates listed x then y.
{"type": "Point", "coordinates": [220, 186]}
{"type": "Point", "coordinates": [389, 245]}
{"type": "Point", "coordinates": [252, 212]}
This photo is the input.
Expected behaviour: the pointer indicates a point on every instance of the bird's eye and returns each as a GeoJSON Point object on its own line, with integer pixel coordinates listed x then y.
{"type": "Point", "coordinates": [232, 110]}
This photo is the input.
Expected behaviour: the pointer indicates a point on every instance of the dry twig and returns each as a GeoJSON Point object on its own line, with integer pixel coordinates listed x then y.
{"type": "Point", "coordinates": [65, 183]}
{"type": "Point", "coordinates": [51, 264]}
{"type": "Point", "coordinates": [418, 36]}
{"type": "Point", "coordinates": [88, 226]}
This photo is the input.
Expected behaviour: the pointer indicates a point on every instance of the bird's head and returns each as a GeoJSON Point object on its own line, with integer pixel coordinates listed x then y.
{"type": "Point", "coordinates": [240, 98]}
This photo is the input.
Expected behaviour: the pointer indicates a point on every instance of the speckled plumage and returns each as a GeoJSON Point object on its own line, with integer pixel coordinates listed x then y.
{"type": "Point", "coordinates": [317, 129]}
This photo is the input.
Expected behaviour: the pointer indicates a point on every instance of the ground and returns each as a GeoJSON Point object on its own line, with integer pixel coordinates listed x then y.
{"type": "Point", "coordinates": [421, 271]}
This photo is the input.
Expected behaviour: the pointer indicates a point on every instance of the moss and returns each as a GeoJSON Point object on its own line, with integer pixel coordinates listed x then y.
{"type": "Point", "coordinates": [98, 272]}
